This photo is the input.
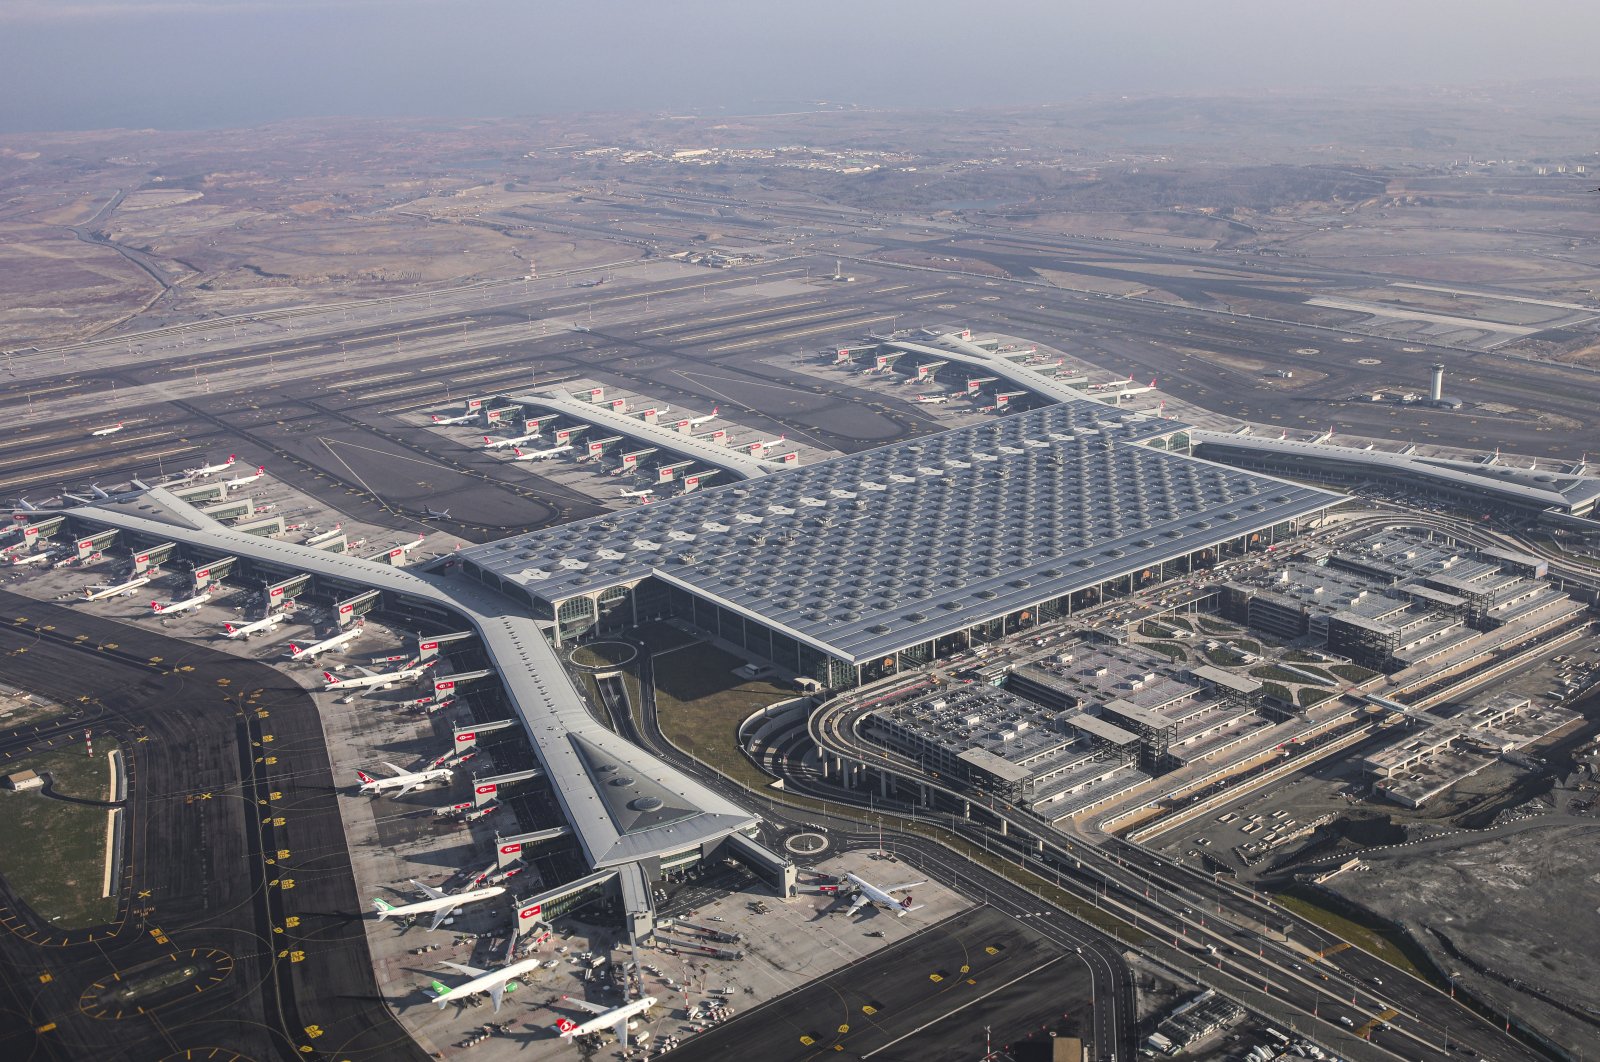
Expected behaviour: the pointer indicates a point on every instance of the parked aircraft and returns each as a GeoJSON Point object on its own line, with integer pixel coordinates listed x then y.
{"type": "Point", "coordinates": [645, 493]}
{"type": "Point", "coordinates": [245, 630]}
{"type": "Point", "coordinates": [239, 481]}
{"type": "Point", "coordinates": [517, 440]}
{"type": "Point", "coordinates": [437, 514]}
{"type": "Point", "coordinates": [404, 781]}
{"type": "Point", "coordinates": [98, 593]}
{"type": "Point", "coordinates": [107, 431]}
{"type": "Point", "coordinates": [495, 982]}
{"type": "Point", "coordinates": [613, 1018]}
{"type": "Point", "coordinates": [207, 470]}
{"type": "Point", "coordinates": [935, 398]}
{"type": "Point", "coordinates": [310, 651]}
{"type": "Point", "coordinates": [463, 419]}
{"type": "Point", "coordinates": [540, 455]}
{"type": "Point", "coordinates": [872, 894]}
{"type": "Point", "coordinates": [374, 679]}
{"type": "Point", "coordinates": [439, 903]}
{"type": "Point", "coordinates": [695, 422]}
{"type": "Point", "coordinates": [169, 608]}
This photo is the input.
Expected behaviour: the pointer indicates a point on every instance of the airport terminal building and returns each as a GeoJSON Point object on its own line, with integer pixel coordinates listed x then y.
{"type": "Point", "coordinates": [849, 569]}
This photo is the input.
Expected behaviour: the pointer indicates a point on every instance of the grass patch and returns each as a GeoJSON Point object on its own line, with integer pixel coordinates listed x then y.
{"type": "Point", "coordinates": [601, 653]}
{"type": "Point", "coordinates": [52, 853]}
{"type": "Point", "coordinates": [1170, 650]}
{"type": "Point", "coordinates": [1176, 621]}
{"type": "Point", "coordinates": [1273, 689]}
{"type": "Point", "coordinates": [1352, 673]}
{"type": "Point", "coordinates": [1248, 646]}
{"type": "Point", "coordinates": [700, 703]}
{"type": "Point", "coordinates": [1211, 626]}
{"type": "Point", "coordinates": [1278, 674]}
{"type": "Point", "coordinates": [1300, 656]}
{"type": "Point", "coordinates": [1310, 695]}
{"type": "Point", "coordinates": [1222, 657]}
{"type": "Point", "coordinates": [663, 637]}
{"type": "Point", "coordinates": [1364, 931]}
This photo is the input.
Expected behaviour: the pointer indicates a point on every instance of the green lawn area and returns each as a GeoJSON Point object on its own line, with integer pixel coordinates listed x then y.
{"type": "Point", "coordinates": [1170, 650]}
{"type": "Point", "coordinates": [1273, 689]}
{"type": "Point", "coordinates": [1300, 656]}
{"type": "Point", "coordinates": [663, 637]}
{"type": "Point", "coordinates": [1351, 673]}
{"type": "Point", "coordinates": [1367, 934]}
{"type": "Point", "coordinates": [1222, 657]}
{"type": "Point", "coordinates": [700, 703]}
{"type": "Point", "coordinates": [1278, 674]}
{"type": "Point", "coordinates": [601, 653]}
{"type": "Point", "coordinates": [61, 879]}
{"type": "Point", "coordinates": [1310, 695]}
{"type": "Point", "coordinates": [1176, 621]}
{"type": "Point", "coordinates": [1212, 626]}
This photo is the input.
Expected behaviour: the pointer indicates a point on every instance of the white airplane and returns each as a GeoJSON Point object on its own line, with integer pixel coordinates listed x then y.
{"type": "Point", "coordinates": [637, 493]}
{"type": "Point", "coordinates": [870, 893]}
{"type": "Point", "coordinates": [539, 455]}
{"type": "Point", "coordinates": [207, 470]}
{"type": "Point", "coordinates": [98, 593]}
{"type": "Point", "coordinates": [376, 680]}
{"type": "Point", "coordinates": [168, 608]}
{"type": "Point", "coordinates": [659, 411]}
{"type": "Point", "coordinates": [32, 558]}
{"type": "Point", "coordinates": [310, 651]}
{"type": "Point", "coordinates": [405, 547]}
{"type": "Point", "coordinates": [463, 419]}
{"type": "Point", "coordinates": [439, 903]}
{"type": "Point", "coordinates": [239, 481]}
{"type": "Point", "coordinates": [517, 440]}
{"type": "Point", "coordinates": [935, 398]}
{"type": "Point", "coordinates": [245, 630]}
{"type": "Point", "coordinates": [405, 781]}
{"type": "Point", "coordinates": [613, 1018]}
{"type": "Point", "coordinates": [437, 514]}
{"type": "Point", "coordinates": [695, 422]}
{"type": "Point", "coordinates": [107, 431]}
{"type": "Point", "coordinates": [495, 982]}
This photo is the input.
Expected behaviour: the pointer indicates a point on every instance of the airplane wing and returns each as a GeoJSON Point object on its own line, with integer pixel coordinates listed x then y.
{"type": "Point", "coordinates": [584, 1004]}
{"type": "Point", "coordinates": [498, 990]}
{"type": "Point", "coordinates": [366, 672]}
{"type": "Point", "coordinates": [392, 767]}
{"type": "Point", "coordinates": [858, 903]}
{"type": "Point", "coordinates": [433, 893]}
{"type": "Point", "coordinates": [439, 916]}
{"type": "Point", "coordinates": [408, 787]}
{"type": "Point", "coordinates": [462, 968]}
{"type": "Point", "coordinates": [902, 888]}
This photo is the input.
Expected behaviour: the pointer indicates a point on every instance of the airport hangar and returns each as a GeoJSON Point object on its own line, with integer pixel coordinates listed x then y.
{"type": "Point", "coordinates": [632, 815]}
{"type": "Point", "coordinates": [850, 569]}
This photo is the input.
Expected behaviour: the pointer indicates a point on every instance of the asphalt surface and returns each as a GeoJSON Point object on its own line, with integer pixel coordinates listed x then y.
{"type": "Point", "coordinates": [236, 862]}
{"type": "Point", "coordinates": [927, 999]}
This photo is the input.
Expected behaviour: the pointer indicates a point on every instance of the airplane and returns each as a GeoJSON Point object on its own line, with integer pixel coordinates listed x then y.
{"type": "Point", "coordinates": [463, 419]}
{"type": "Point", "coordinates": [615, 1018]}
{"type": "Point", "coordinates": [32, 558]}
{"type": "Point", "coordinates": [239, 481]}
{"type": "Point", "coordinates": [405, 547]}
{"type": "Point", "coordinates": [206, 470]}
{"type": "Point", "coordinates": [375, 680]}
{"type": "Point", "coordinates": [935, 398]}
{"type": "Point", "coordinates": [310, 651]}
{"type": "Point", "coordinates": [695, 422]}
{"type": "Point", "coordinates": [501, 444]}
{"type": "Point", "coordinates": [659, 411]}
{"type": "Point", "coordinates": [641, 494]}
{"type": "Point", "coordinates": [405, 781]}
{"type": "Point", "coordinates": [107, 431]}
{"type": "Point", "coordinates": [247, 629]}
{"type": "Point", "coordinates": [100, 592]}
{"type": "Point", "coordinates": [169, 608]}
{"type": "Point", "coordinates": [539, 455]}
{"type": "Point", "coordinates": [437, 514]}
{"type": "Point", "coordinates": [439, 903]}
{"type": "Point", "coordinates": [870, 893]}
{"type": "Point", "coordinates": [495, 982]}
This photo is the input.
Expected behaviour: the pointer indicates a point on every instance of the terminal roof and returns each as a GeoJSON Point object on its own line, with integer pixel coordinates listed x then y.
{"type": "Point", "coordinates": [865, 554]}
{"type": "Point", "coordinates": [623, 803]}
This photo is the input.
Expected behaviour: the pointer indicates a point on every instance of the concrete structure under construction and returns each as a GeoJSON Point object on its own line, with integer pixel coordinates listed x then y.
{"type": "Point", "coordinates": [851, 568]}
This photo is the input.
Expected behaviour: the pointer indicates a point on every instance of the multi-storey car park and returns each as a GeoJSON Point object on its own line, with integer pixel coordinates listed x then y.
{"type": "Point", "coordinates": [857, 566]}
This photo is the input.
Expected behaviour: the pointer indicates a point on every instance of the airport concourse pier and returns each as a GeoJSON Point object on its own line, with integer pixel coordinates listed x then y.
{"type": "Point", "coordinates": [854, 568]}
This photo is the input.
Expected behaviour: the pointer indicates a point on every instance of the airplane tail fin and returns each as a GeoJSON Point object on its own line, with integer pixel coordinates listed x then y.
{"type": "Point", "coordinates": [565, 1025]}
{"type": "Point", "coordinates": [440, 988]}
{"type": "Point", "coordinates": [366, 779]}
{"type": "Point", "coordinates": [382, 908]}
{"type": "Point", "coordinates": [517, 450]}
{"type": "Point", "coordinates": [329, 676]}
{"type": "Point", "coordinates": [228, 627]}
{"type": "Point", "coordinates": [155, 606]}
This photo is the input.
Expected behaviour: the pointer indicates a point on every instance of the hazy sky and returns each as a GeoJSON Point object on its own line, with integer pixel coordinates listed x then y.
{"type": "Point", "coordinates": [75, 64]}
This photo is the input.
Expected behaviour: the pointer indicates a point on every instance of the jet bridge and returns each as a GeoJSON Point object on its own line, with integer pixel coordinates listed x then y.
{"type": "Point", "coordinates": [359, 605]}
{"type": "Point", "coordinates": [508, 850]}
{"type": "Point", "coordinates": [466, 737]}
{"type": "Point", "coordinates": [145, 559]}
{"type": "Point", "coordinates": [486, 789]}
